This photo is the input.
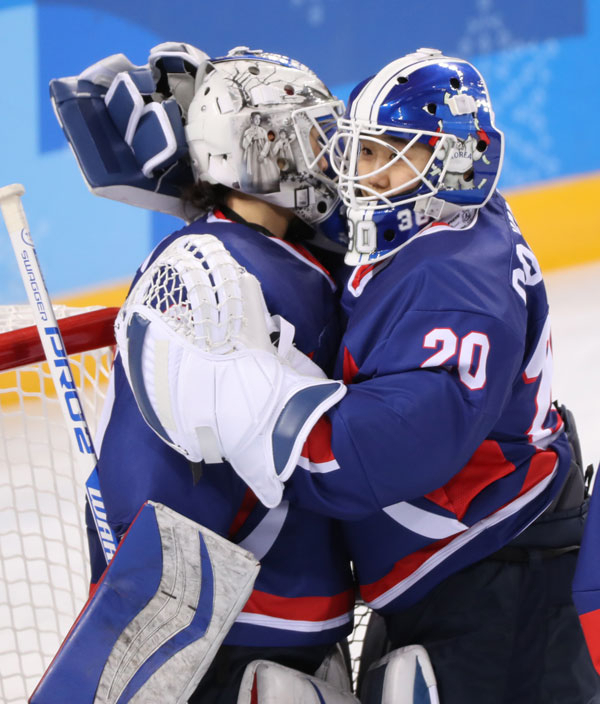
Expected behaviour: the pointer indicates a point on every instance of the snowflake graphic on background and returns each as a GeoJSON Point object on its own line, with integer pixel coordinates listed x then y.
{"type": "Point", "coordinates": [519, 79]}
{"type": "Point", "coordinates": [315, 10]}
{"type": "Point", "coordinates": [485, 32]}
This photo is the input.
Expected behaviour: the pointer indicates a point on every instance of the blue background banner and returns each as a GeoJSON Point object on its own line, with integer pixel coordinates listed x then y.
{"type": "Point", "coordinates": [539, 59]}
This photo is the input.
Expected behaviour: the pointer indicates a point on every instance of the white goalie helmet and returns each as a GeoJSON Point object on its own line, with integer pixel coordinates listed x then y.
{"type": "Point", "coordinates": [261, 123]}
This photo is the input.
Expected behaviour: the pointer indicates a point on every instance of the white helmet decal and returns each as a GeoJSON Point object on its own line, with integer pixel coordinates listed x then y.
{"type": "Point", "coordinates": [261, 123]}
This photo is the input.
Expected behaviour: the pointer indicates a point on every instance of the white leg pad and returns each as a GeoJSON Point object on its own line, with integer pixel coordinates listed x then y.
{"type": "Point", "coordinates": [404, 676]}
{"type": "Point", "coordinates": [267, 682]}
{"type": "Point", "coordinates": [160, 612]}
{"type": "Point", "coordinates": [334, 670]}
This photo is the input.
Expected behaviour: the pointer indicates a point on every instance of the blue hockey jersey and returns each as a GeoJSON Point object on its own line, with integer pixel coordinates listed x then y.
{"type": "Point", "coordinates": [304, 593]}
{"type": "Point", "coordinates": [446, 445]}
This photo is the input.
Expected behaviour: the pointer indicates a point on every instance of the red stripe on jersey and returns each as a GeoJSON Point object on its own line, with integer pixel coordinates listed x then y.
{"type": "Point", "coordinates": [317, 447]}
{"type": "Point", "coordinates": [350, 367]}
{"type": "Point", "coordinates": [304, 255]}
{"type": "Point", "coordinates": [300, 608]}
{"type": "Point", "coordinates": [254, 693]}
{"type": "Point", "coordinates": [402, 569]}
{"type": "Point", "coordinates": [542, 464]}
{"type": "Point", "coordinates": [590, 623]}
{"type": "Point", "coordinates": [487, 465]}
{"type": "Point", "coordinates": [248, 503]}
{"type": "Point", "coordinates": [559, 422]}
{"type": "Point", "coordinates": [307, 255]}
{"type": "Point", "coordinates": [218, 214]}
{"type": "Point", "coordinates": [360, 274]}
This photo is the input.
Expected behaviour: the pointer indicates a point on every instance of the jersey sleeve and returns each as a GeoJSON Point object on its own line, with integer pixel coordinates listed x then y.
{"type": "Point", "coordinates": [419, 406]}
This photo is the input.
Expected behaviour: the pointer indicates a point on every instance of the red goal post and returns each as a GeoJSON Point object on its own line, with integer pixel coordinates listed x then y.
{"type": "Point", "coordinates": [44, 574]}
{"type": "Point", "coordinates": [82, 332]}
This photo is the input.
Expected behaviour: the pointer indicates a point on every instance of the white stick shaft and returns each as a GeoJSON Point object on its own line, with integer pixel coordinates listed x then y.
{"type": "Point", "coordinates": [45, 320]}
{"type": "Point", "coordinates": [54, 349]}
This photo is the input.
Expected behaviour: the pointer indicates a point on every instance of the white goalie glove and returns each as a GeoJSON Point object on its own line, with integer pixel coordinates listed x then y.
{"type": "Point", "coordinates": [194, 340]}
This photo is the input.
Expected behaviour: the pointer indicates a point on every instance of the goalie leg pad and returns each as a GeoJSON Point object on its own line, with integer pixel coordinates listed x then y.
{"type": "Point", "coordinates": [404, 676]}
{"type": "Point", "coordinates": [335, 670]}
{"type": "Point", "coordinates": [157, 618]}
{"type": "Point", "coordinates": [266, 682]}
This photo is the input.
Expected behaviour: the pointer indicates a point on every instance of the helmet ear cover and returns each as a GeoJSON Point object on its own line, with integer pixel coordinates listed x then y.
{"type": "Point", "coordinates": [261, 124]}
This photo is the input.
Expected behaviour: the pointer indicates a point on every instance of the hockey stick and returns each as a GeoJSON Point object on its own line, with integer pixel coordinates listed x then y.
{"type": "Point", "coordinates": [56, 355]}
{"type": "Point", "coordinates": [83, 332]}
{"type": "Point", "coordinates": [170, 595]}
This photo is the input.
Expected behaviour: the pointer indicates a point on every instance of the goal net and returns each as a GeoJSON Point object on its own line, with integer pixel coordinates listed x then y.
{"type": "Point", "coordinates": [44, 574]}
{"type": "Point", "coordinates": [44, 571]}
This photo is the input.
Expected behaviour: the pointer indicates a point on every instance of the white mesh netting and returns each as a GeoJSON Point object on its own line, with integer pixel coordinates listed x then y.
{"type": "Point", "coordinates": [43, 553]}
{"type": "Point", "coordinates": [44, 575]}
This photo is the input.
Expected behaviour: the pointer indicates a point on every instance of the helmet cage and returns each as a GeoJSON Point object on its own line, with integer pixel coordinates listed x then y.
{"type": "Point", "coordinates": [354, 188]}
{"type": "Point", "coordinates": [427, 98]}
{"type": "Point", "coordinates": [322, 118]}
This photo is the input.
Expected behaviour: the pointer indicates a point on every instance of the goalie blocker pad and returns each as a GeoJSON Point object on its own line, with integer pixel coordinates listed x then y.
{"type": "Point", "coordinates": [404, 676]}
{"type": "Point", "coordinates": [266, 682]}
{"type": "Point", "coordinates": [124, 125]}
{"type": "Point", "coordinates": [160, 612]}
{"type": "Point", "coordinates": [109, 166]}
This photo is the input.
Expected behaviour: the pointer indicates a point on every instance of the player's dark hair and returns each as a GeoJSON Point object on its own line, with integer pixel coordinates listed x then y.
{"type": "Point", "coordinates": [210, 196]}
{"type": "Point", "coordinates": [205, 196]}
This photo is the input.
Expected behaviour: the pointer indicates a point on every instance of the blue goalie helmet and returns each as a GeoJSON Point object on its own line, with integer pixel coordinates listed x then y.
{"type": "Point", "coordinates": [417, 144]}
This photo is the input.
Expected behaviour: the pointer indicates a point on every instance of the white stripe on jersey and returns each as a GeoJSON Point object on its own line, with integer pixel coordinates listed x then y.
{"type": "Point", "coordinates": [318, 467]}
{"type": "Point", "coordinates": [462, 540]}
{"type": "Point", "coordinates": [356, 291]}
{"type": "Point", "coordinates": [211, 217]}
{"type": "Point", "coordinates": [261, 539]}
{"type": "Point", "coordinates": [290, 625]}
{"type": "Point", "coordinates": [426, 523]}
{"type": "Point", "coordinates": [286, 245]}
